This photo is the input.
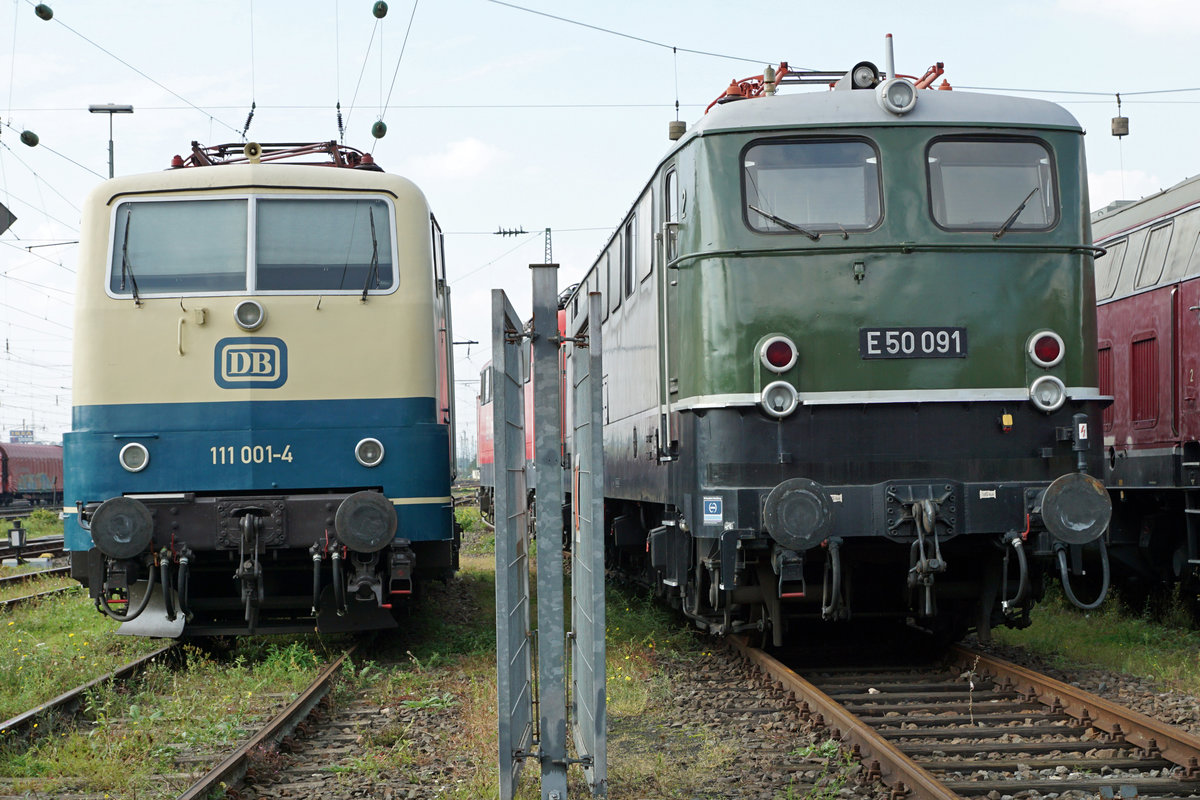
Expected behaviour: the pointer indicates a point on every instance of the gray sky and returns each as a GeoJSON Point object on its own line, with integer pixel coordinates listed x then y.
{"type": "Point", "coordinates": [504, 117]}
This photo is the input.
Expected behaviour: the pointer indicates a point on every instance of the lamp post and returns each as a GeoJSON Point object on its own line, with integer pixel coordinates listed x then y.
{"type": "Point", "coordinates": [110, 109]}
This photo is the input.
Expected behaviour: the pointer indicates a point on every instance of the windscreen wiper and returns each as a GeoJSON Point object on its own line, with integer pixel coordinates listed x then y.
{"type": "Point", "coordinates": [783, 223]}
{"type": "Point", "coordinates": [373, 272]}
{"type": "Point", "coordinates": [126, 266]}
{"type": "Point", "coordinates": [1013, 216]}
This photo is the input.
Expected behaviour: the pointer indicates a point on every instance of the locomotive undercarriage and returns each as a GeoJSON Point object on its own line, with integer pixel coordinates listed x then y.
{"type": "Point", "coordinates": [169, 564]}
{"type": "Point", "coordinates": [743, 580]}
{"type": "Point", "coordinates": [753, 546]}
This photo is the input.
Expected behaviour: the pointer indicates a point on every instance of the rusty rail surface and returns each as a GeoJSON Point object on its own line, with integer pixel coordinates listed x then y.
{"type": "Point", "coordinates": [907, 731]}
{"type": "Point", "coordinates": [12, 580]}
{"type": "Point", "coordinates": [1146, 733]}
{"type": "Point", "coordinates": [883, 758]}
{"type": "Point", "coordinates": [16, 601]}
{"type": "Point", "coordinates": [68, 701]}
{"type": "Point", "coordinates": [233, 768]}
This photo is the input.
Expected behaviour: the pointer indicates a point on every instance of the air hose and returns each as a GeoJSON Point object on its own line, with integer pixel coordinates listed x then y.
{"type": "Point", "coordinates": [164, 565]}
{"type": "Point", "coordinates": [1023, 565]}
{"type": "Point", "coordinates": [1061, 549]}
{"type": "Point", "coordinates": [102, 601]}
{"type": "Point", "coordinates": [831, 596]}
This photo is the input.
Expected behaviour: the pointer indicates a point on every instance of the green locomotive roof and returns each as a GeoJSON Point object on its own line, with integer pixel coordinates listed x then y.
{"type": "Point", "coordinates": [858, 108]}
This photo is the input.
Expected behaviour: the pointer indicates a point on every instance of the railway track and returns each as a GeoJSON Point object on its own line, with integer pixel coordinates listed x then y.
{"type": "Point", "coordinates": [234, 767]}
{"type": "Point", "coordinates": [67, 703]}
{"type": "Point", "coordinates": [195, 775]}
{"type": "Point", "coordinates": [52, 545]}
{"type": "Point", "coordinates": [16, 580]}
{"type": "Point", "coordinates": [976, 726]}
{"type": "Point", "coordinates": [29, 598]}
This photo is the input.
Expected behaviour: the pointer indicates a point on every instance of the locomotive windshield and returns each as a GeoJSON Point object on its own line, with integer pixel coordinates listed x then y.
{"type": "Point", "coordinates": [811, 185]}
{"type": "Point", "coordinates": [992, 184]}
{"type": "Point", "coordinates": [315, 244]}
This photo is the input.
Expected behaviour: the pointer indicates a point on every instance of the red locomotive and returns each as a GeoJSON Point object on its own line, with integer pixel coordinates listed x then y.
{"type": "Point", "coordinates": [1148, 317]}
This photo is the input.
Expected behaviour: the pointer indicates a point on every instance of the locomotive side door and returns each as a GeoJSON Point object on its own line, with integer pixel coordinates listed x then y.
{"type": "Point", "coordinates": [666, 252]}
{"type": "Point", "coordinates": [444, 340]}
{"type": "Point", "coordinates": [1188, 349]}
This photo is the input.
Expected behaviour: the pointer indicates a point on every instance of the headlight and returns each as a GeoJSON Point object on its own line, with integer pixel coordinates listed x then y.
{"type": "Point", "coordinates": [897, 96]}
{"type": "Point", "coordinates": [1048, 393]}
{"type": "Point", "coordinates": [779, 399]}
{"type": "Point", "coordinates": [250, 315]}
{"type": "Point", "coordinates": [369, 452]}
{"type": "Point", "coordinates": [134, 457]}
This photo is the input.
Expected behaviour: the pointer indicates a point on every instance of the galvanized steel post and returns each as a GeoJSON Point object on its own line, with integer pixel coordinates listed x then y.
{"type": "Point", "coordinates": [588, 695]}
{"type": "Point", "coordinates": [514, 637]}
{"type": "Point", "coordinates": [547, 459]}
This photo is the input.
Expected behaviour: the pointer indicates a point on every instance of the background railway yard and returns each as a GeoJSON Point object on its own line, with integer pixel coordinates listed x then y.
{"type": "Point", "coordinates": [413, 714]}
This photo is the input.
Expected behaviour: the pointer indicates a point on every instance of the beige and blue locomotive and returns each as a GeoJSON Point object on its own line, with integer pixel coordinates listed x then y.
{"type": "Point", "coordinates": [849, 359]}
{"type": "Point", "coordinates": [262, 413]}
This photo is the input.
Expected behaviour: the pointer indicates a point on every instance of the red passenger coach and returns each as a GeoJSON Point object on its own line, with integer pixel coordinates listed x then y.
{"type": "Point", "coordinates": [1148, 317]}
{"type": "Point", "coordinates": [484, 421]}
{"type": "Point", "coordinates": [32, 472]}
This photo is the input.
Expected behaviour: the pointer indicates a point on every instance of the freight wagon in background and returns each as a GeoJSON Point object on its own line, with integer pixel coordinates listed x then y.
{"type": "Point", "coordinates": [1148, 317]}
{"type": "Point", "coordinates": [32, 472]}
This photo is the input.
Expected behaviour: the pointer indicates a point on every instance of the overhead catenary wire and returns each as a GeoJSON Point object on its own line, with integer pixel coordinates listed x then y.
{"type": "Point", "coordinates": [159, 84]}
{"type": "Point", "coordinates": [44, 146]}
{"type": "Point", "coordinates": [631, 36]}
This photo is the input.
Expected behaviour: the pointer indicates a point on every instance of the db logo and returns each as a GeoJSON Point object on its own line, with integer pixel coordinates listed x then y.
{"type": "Point", "coordinates": [250, 362]}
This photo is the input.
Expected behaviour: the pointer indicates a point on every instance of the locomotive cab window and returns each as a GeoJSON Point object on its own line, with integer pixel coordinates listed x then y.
{"type": "Point", "coordinates": [996, 184]}
{"type": "Point", "coordinates": [240, 245]}
{"type": "Point", "coordinates": [323, 245]}
{"type": "Point", "coordinates": [178, 246]}
{"type": "Point", "coordinates": [811, 186]}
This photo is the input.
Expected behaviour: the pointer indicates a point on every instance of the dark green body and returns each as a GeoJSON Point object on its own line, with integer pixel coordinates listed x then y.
{"type": "Point", "coordinates": [683, 421]}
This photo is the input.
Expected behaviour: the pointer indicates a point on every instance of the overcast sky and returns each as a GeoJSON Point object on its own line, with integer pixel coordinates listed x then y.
{"type": "Point", "coordinates": [504, 117]}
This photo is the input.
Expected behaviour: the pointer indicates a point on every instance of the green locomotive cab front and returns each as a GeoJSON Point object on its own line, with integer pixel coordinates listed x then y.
{"type": "Point", "coordinates": [878, 362]}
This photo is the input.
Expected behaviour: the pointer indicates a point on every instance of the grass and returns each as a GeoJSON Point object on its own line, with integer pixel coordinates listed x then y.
{"type": "Point", "coordinates": [135, 734]}
{"type": "Point", "coordinates": [41, 584]}
{"type": "Point", "coordinates": [56, 644]}
{"type": "Point", "coordinates": [1110, 638]}
{"type": "Point", "coordinates": [42, 523]}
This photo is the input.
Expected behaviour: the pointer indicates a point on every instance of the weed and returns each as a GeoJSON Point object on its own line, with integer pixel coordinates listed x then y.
{"type": "Point", "coordinates": [834, 772]}
{"type": "Point", "coordinates": [443, 700]}
{"type": "Point", "coordinates": [1111, 639]}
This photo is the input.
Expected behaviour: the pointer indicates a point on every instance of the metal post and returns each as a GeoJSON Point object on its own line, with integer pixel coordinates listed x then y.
{"type": "Point", "coordinates": [547, 450]}
{"type": "Point", "coordinates": [588, 696]}
{"type": "Point", "coordinates": [110, 109]}
{"type": "Point", "coordinates": [514, 636]}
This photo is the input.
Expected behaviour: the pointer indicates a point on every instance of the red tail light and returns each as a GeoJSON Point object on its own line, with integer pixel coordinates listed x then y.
{"type": "Point", "coordinates": [1046, 349]}
{"type": "Point", "coordinates": [778, 354]}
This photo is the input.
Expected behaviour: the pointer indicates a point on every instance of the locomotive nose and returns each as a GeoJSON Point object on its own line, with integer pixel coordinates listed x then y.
{"type": "Point", "coordinates": [798, 513]}
{"type": "Point", "coordinates": [1076, 508]}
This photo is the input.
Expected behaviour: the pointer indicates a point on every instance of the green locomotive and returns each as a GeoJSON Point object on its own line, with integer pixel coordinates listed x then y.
{"type": "Point", "coordinates": [850, 364]}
